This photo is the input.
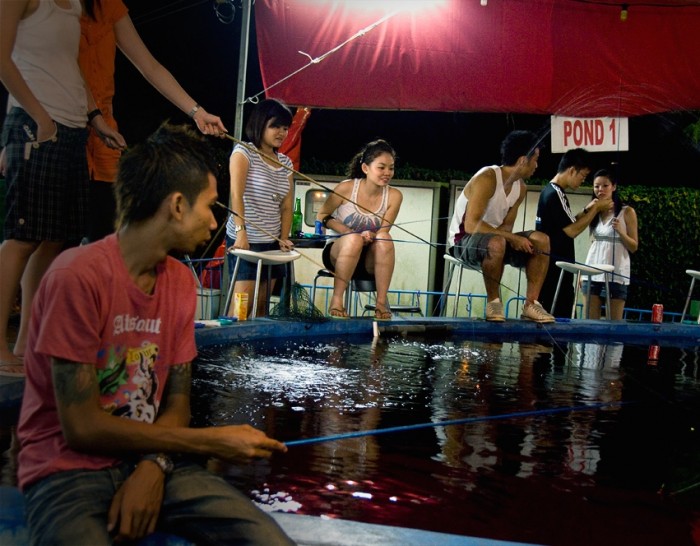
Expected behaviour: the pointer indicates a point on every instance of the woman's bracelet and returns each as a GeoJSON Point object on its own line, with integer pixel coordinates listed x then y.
{"type": "Point", "coordinates": [327, 219]}
{"type": "Point", "coordinates": [194, 110]}
{"type": "Point", "coordinates": [93, 114]}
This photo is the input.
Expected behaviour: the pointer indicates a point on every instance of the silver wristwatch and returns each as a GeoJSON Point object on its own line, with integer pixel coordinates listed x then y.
{"type": "Point", "coordinates": [239, 228]}
{"type": "Point", "coordinates": [162, 460]}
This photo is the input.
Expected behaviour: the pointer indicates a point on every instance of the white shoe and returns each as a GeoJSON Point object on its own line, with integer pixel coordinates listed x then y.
{"type": "Point", "coordinates": [494, 311]}
{"type": "Point", "coordinates": [536, 313]}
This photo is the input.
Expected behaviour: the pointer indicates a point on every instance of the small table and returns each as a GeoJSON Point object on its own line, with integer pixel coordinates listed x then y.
{"type": "Point", "coordinates": [313, 241]}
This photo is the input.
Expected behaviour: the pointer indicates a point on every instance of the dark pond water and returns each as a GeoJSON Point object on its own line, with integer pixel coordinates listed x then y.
{"type": "Point", "coordinates": [565, 442]}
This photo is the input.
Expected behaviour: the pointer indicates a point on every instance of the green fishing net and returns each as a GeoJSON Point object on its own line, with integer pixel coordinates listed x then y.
{"type": "Point", "coordinates": [298, 306]}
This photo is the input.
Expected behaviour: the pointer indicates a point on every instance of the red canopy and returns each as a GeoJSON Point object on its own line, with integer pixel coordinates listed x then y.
{"type": "Point", "coordinates": [565, 57]}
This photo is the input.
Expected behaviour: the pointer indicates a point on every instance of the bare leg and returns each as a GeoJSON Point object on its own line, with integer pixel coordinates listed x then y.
{"type": "Point", "coordinates": [248, 287]}
{"type": "Point", "coordinates": [37, 266]}
{"type": "Point", "coordinates": [594, 312]}
{"type": "Point", "coordinates": [345, 253]}
{"type": "Point", "coordinates": [380, 261]}
{"type": "Point", "coordinates": [618, 309]}
{"type": "Point", "coordinates": [492, 267]}
{"type": "Point", "coordinates": [536, 268]}
{"type": "Point", "coordinates": [14, 256]}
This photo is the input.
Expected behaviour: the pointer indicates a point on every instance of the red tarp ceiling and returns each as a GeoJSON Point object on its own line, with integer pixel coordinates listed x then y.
{"type": "Point", "coordinates": [566, 57]}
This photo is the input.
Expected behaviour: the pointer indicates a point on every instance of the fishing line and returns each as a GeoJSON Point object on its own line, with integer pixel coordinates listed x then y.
{"type": "Point", "coordinates": [436, 246]}
{"type": "Point", "coordinates": [407, 428]}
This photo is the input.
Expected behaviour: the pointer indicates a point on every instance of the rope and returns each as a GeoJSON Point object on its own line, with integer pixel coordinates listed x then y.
{"type": "Point", "coordinates": [312, 61]}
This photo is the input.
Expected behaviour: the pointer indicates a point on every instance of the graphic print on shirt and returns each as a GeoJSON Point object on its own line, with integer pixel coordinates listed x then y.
{"type": "Point", "coordinates": [130, 382]}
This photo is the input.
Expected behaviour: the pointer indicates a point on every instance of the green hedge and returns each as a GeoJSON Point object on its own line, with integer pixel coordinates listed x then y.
{"type": "Point", "coordinates": [669, 243]}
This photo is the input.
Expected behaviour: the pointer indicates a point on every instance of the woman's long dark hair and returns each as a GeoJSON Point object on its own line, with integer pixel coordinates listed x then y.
{"type": "Point", "coordinates": [90, 8]}
{"type": "Point", "coordinates": [618, 203]}
{"type": "Point", "coordinates": [367, 154]}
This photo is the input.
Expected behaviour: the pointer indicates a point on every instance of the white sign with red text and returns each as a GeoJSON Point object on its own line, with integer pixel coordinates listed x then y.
{"type": "Point", "coordinates": [593, 134]}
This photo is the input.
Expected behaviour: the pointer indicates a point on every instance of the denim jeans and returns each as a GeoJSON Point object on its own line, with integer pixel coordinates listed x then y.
{"type": "Point", "coordinates": [71, 508]}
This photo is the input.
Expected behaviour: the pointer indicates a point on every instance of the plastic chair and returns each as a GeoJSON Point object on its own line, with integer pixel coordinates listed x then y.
{"type": "Point", "coordinates": [358, 285]}
{"type": "Point", "coordinates": [589, 271]}
{"type": "Point", "coordinates": [355, 285]}
{"type": "Point", "coordinates": [368, 285]}
{"type": "Point", "coordinates": [270, 257]}
{"type": "Point", "coordinates": [694, 275]}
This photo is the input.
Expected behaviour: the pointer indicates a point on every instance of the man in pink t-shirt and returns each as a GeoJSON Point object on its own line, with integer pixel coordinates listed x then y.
{"type": "Point", "coordinates": [106, 399]}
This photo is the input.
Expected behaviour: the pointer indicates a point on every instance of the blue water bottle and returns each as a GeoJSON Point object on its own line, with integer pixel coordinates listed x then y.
{"type": "Point", "coordinates": [318, 229]}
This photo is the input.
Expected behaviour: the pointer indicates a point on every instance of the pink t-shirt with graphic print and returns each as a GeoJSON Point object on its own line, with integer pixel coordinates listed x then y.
{"type": "Point", "coordinates": [88, 310]}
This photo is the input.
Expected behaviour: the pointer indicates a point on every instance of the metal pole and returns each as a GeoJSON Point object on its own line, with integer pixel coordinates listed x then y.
{"type": "Point", "coordinates": [242, 67]}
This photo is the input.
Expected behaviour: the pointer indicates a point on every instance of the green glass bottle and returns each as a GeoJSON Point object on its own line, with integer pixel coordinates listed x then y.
{"type": "Point", "coordinates": [297, 220]}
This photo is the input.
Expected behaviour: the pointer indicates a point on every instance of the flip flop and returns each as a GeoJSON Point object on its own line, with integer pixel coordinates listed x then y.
{"type": "Point", "coordinates": [11, 370]}
{"type": "Point", "coordinates": [382, 314]}
{"type": "Point", "coordinates": [337, 313]}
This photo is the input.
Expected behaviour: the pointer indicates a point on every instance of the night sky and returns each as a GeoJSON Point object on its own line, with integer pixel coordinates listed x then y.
{"type": "Point", "coordinates": [202, 53]}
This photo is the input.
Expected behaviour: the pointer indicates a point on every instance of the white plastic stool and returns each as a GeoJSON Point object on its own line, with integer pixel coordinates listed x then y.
{"type": "Point", "coordinates": [589, 271]}
{"type": "Point", "coordinates": [269, 257]}
{"type": "Point", "coordinates": [452, 263]}
{"type": "Point", "coordinates": [694, 276]}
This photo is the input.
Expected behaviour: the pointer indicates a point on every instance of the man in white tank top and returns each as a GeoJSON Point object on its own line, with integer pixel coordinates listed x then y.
{"type": "Point", "coordinates": [481, 230]}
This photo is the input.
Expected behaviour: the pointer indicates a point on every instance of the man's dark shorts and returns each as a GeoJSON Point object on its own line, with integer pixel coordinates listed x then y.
{"type": "Point", "coordinates": [473, 250]}
{"type": "Point", "coordinates": [47, 182]}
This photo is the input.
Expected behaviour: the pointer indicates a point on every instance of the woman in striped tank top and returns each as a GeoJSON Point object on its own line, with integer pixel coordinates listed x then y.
{"type": "Point", "coordinates": [262, 193]}
{"type": "Point", "coordinates": [361, 210]}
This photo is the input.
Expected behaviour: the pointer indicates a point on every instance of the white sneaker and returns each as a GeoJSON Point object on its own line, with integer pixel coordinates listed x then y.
{"type": "Point", "coordinates": [494, 311]}
{"type": "Point", "coordinates": [536, 313]}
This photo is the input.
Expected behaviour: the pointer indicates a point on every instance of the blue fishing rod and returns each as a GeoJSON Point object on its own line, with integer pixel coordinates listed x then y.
{"type": "Point", "coordinates": [466, 420]}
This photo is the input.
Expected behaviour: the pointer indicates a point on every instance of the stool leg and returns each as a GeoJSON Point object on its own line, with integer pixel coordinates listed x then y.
{"type": "Point", "coordinates": [313, 292]}
{"type": "Point", "coordinates": [556, 292]}
{"type": "Point", "coordinates": [687, 300]}
{"type": "Point", "coordinates": [459, 286]}
{"type": "Point", "coordinates": [573, 307]}
{"type": "Point", "coordinates": [588, 298]}
{"type": "Point", "coordinates": [268, 289]}
{"type": "Point", "coordinates": [231, 285]}
{"type": "Point", "coordinates": [348, 298]}
{"type": "Point", "coordinates": [257, 289]}
{"type": "Point", "coordinates": [446, 290]}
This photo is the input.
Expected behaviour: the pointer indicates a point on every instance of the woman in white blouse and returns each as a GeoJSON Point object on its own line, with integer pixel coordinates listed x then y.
{"type": "Point", "coordinates": [614, 237]}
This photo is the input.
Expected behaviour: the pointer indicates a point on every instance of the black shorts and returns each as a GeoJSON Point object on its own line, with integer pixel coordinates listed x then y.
{"type": "Point", "coordinates": [360, 271]}
{"type": "Point", "coordinates": [473, 250]}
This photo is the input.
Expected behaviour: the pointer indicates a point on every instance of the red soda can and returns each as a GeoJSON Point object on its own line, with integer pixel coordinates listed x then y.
{"type": "Point", "coordinates": [657, 313]}
{"type": "Point", "coordinates": [654, 353]}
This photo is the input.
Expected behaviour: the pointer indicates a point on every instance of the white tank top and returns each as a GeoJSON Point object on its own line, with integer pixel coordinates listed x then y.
{"type": "Point", "coordinates": [496, 209]}
{"type": "Point", "coordinates": [607, 248]}
{"type": "Point", "coordinates": [46, 54]}
{"type": "Point", "coordinates": [359, 219]}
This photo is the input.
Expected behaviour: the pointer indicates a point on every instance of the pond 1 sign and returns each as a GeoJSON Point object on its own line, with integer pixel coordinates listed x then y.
{"type": "Point", "coordinates": [593, 134]}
